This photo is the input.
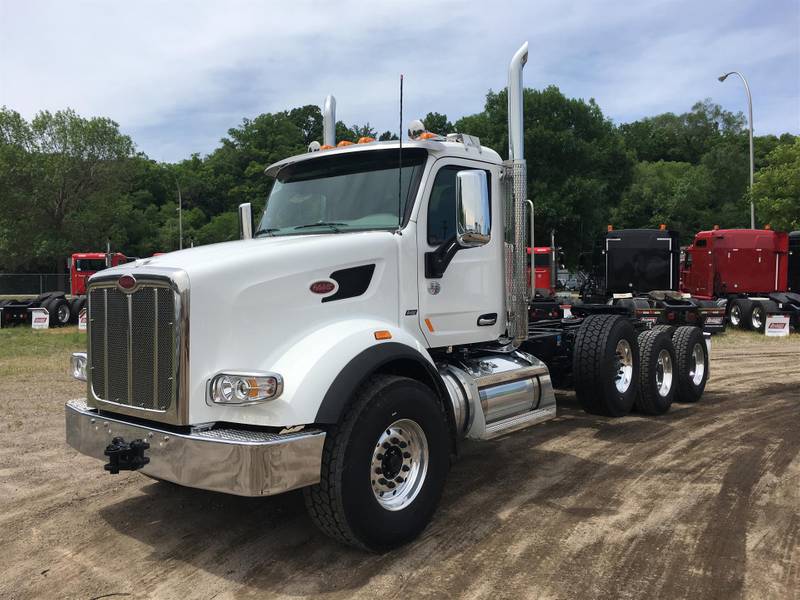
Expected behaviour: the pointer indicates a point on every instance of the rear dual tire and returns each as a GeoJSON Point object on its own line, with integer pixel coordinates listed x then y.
{"type": "Point", "coordinates": [656, 372]}
{"type": "Point", "coordinates": [605, 365]}
{"type": "Point", "coordinates": [691, 355]}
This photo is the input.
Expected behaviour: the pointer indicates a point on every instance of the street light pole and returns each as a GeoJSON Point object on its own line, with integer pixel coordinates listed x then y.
{"type": "Point", "coordinates": [750, 122]}
{"type": "Point", "coordinates": [180, 215]}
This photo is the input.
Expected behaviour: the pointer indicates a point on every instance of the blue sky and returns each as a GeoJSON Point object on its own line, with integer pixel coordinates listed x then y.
{"type": "Point", "coordinates": [176, 75]}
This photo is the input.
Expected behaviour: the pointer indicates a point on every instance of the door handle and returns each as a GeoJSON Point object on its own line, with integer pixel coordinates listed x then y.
{"type": "Point", "coordinates": [487, 320]}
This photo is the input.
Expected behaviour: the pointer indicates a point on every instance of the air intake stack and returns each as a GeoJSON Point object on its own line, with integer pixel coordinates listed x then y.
{"type": "Point", "coordinates": [516, 283]}
{"type": "Point", "coordinates": [329, 121]}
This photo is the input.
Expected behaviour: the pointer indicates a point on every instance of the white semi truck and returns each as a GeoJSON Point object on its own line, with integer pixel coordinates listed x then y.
{"type": "Point", "coordinates": [377, 317]}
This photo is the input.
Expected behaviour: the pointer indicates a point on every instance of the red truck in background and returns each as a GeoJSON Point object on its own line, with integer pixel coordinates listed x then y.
{"type": "Point", "coordinates": [83, 265]}
{"type": "Point", "coordinates": [544, 273]}
{"type": "Point", "coordinates": [755, 271]}
{"type": "Point", "coordinates": [61, 309]}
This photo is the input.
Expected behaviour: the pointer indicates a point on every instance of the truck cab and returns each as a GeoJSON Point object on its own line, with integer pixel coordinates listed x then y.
{"type": "Point", "coordinates": [82, 265]}
{"type": "Point", "coordinates": [751, 271]}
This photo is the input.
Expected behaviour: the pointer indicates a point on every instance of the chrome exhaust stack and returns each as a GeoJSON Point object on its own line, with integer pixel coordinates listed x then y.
{"type": "Point", "coordinates": [329, 121]}
{"type": "Point", "coordinates": [516, 283]}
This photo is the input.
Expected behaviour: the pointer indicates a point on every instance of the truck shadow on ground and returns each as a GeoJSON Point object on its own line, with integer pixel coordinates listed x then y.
{"type": "Point", "coordinates": [272, 545]}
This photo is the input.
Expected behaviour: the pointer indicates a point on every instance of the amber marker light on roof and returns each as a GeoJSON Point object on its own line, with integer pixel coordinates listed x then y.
{"type": "Point", "coordinates": [344, 143]}
{"type": "Point", "coordinates": [365, 140]}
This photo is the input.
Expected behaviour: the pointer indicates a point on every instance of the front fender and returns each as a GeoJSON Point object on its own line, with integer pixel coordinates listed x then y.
{"type": "Point", "coordinates": [323, 369]}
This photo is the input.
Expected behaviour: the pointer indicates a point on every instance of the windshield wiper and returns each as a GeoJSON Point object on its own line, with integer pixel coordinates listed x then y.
{"type": "Point", "coordinates": [267, 230]}
{"type": "Point", "coordinates": [334, 226]}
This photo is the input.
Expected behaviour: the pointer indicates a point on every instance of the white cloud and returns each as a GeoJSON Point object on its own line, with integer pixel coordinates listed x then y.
{"type": "Point", "coordinates": [176, 75]}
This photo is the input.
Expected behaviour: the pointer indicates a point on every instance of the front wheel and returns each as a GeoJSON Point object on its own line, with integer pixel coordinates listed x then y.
{"type": "Point", "coordinates": [383, 466]}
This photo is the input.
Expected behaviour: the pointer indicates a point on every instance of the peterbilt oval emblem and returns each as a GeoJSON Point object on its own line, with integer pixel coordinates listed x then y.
{"type": "Point", "coordinates": [434, 287]}
{"type": "Point", "coordinates": [322, 287]}
{"type": "Point", "coordinates": [126, 283]}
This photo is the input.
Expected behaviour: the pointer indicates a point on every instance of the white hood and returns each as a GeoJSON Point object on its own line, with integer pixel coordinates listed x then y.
{"type": "Point", "coordinates": [250, 302]}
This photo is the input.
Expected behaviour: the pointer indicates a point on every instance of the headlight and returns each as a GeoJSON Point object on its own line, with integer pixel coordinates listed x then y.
{"type": "Point", "coordinates": [244, 388]}
{"type": "Point", "coordinates": [77, 365]}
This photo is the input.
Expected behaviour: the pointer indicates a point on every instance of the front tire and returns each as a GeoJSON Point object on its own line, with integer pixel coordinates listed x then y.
{"type": "Point", "coordinates": [383, 466]}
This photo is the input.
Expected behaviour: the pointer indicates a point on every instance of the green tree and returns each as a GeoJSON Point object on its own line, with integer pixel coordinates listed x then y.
{"type": "Point", "coordinates": [578, 166]}
{"type": "Point", "coordinates": [55, 166]}
{"type": "Point", "coordinates": [776, 189]}
{"type": "Point", "coordinates": [438, 123]}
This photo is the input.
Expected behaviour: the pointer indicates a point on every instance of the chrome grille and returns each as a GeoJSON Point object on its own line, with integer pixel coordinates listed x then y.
{"type": "Point", "coordinates": [133, 341]}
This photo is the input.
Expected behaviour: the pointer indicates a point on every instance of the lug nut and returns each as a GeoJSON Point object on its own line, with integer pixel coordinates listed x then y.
{"type": "Point", "coordinates": [403, 444]}
{"type": "Point", "coordinates": [406, 454]}
{"type": "Point", "coordinates": [399, 479]}
{"type": "Point", "coordinates": [382, 481]}
{"type": "Point", "coordinates": [379, 456]}
{"type": "Point", "coordinates": [395, 440]}
{"type": "Point", "coordinates": [406, 468]}
{"type": "Point", "coordinates": [386, 445]}
{"type": "Point", "coordinates": [378, 471]}
{"type": "Point", "coordinates": [390, 484]}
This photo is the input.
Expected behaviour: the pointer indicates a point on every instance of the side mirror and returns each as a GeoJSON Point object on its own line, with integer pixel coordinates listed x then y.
{"type": "Point", "coordinates": [473, 219]}
{"type": "Point", "coordinates": [245, 221]}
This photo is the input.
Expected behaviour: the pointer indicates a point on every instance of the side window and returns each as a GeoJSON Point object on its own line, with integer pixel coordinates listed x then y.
{"type": "Point", "coordinates": [442, 205]}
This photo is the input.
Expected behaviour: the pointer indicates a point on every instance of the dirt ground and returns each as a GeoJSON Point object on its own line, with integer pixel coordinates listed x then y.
{"type": "Point", "coordinates": [703, 502]}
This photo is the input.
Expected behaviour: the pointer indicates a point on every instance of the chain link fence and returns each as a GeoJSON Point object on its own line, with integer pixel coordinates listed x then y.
{"type": "Point", "coordinates": [33, 283]}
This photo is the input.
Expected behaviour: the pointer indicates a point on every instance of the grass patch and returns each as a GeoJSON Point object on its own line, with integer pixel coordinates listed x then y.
{"type": "Point", "coordinates": [23, 342]}
{"type": "Point", "coordinates": [732, 336]}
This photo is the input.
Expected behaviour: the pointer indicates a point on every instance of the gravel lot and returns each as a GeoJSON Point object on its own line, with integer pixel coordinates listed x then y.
{"type": "Point", "coordinates": [703, 502]}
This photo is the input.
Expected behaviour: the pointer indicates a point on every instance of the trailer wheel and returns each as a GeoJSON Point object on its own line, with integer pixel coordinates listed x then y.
{"type": "Point", "coordinates": [606, 365]}
{"type": "Point", "coordinates": [739, 312]}
{"type": "Point", "coordinates": [657, 372]}
{"type": "Point", "coordinates": [384, 466]}
{"type": "Point", "coordinates": [59, 312]}
{"type": "Point", "coordinates": [692, 359]}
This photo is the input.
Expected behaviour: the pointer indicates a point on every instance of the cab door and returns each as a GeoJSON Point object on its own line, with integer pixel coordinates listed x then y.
{"type": "Point", "coordinates": [465, 302]}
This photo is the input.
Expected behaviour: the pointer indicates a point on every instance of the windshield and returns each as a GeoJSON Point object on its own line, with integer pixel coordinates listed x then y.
{"type": "Point", "coordinates": [349, 192]}
{"type": "Point", "coordinates": [90, 264]}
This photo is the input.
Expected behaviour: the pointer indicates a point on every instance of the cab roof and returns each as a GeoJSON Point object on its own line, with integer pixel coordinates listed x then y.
{"type": "Point", "coordinates": [437, 148]}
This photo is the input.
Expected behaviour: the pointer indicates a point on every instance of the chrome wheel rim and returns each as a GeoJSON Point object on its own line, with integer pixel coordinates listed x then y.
{"type": "Point", "coordinates": [624, 366]}
{"type": "Point", "coordinates": [63, 313]}
{"type": "Point", "coordinates": [697, 362]}
{"type": "Point", "coordinates": [756, 318]}
{"type": "Point", "coordinates": [664, 373]}
{"type": "Point", "coordinates": [736, 316]}
{"type": "Point", "coordinates": [399, 464]}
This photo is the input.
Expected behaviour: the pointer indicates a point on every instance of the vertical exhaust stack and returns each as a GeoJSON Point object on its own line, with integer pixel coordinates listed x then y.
{"type": "Point", "coordinates": [516, 284]}
{"type": "Point", "coordinates": [329, 121]}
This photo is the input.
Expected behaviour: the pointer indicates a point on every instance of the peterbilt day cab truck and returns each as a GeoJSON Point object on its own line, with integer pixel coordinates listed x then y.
{"type": "Point", "coordinates": [62, 310]}
{"type": "Point", "coordinates": [754, 272]}
{"type": "Point", "coordinates": [375, 319]}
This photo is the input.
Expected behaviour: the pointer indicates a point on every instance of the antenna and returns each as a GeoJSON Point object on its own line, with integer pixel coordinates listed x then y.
{"type": "Point", "coordinates": [400, 170]}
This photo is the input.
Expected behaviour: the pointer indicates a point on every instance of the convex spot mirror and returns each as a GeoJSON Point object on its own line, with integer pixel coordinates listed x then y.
{"type": "Point", "coordinates": [473, 218]}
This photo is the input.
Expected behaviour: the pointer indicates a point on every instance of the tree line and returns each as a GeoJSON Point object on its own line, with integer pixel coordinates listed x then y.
{"type": "Point", "coordinates": [70, 183]}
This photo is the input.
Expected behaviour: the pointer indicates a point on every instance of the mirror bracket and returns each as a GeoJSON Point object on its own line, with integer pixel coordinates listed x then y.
{"type": "Point", "coordinates": [436, 262]}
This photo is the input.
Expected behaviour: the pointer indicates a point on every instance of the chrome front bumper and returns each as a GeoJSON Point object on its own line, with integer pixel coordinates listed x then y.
{"type": "Point", "coordinates": [234, 461]}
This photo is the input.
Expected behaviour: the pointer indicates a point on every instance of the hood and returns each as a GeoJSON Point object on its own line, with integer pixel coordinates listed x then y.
{"type": "Point", "coordinates": [250, 301]}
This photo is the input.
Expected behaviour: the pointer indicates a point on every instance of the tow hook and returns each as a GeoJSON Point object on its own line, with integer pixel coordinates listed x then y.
{"type": "Point", "coordinates": [123, 456]}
